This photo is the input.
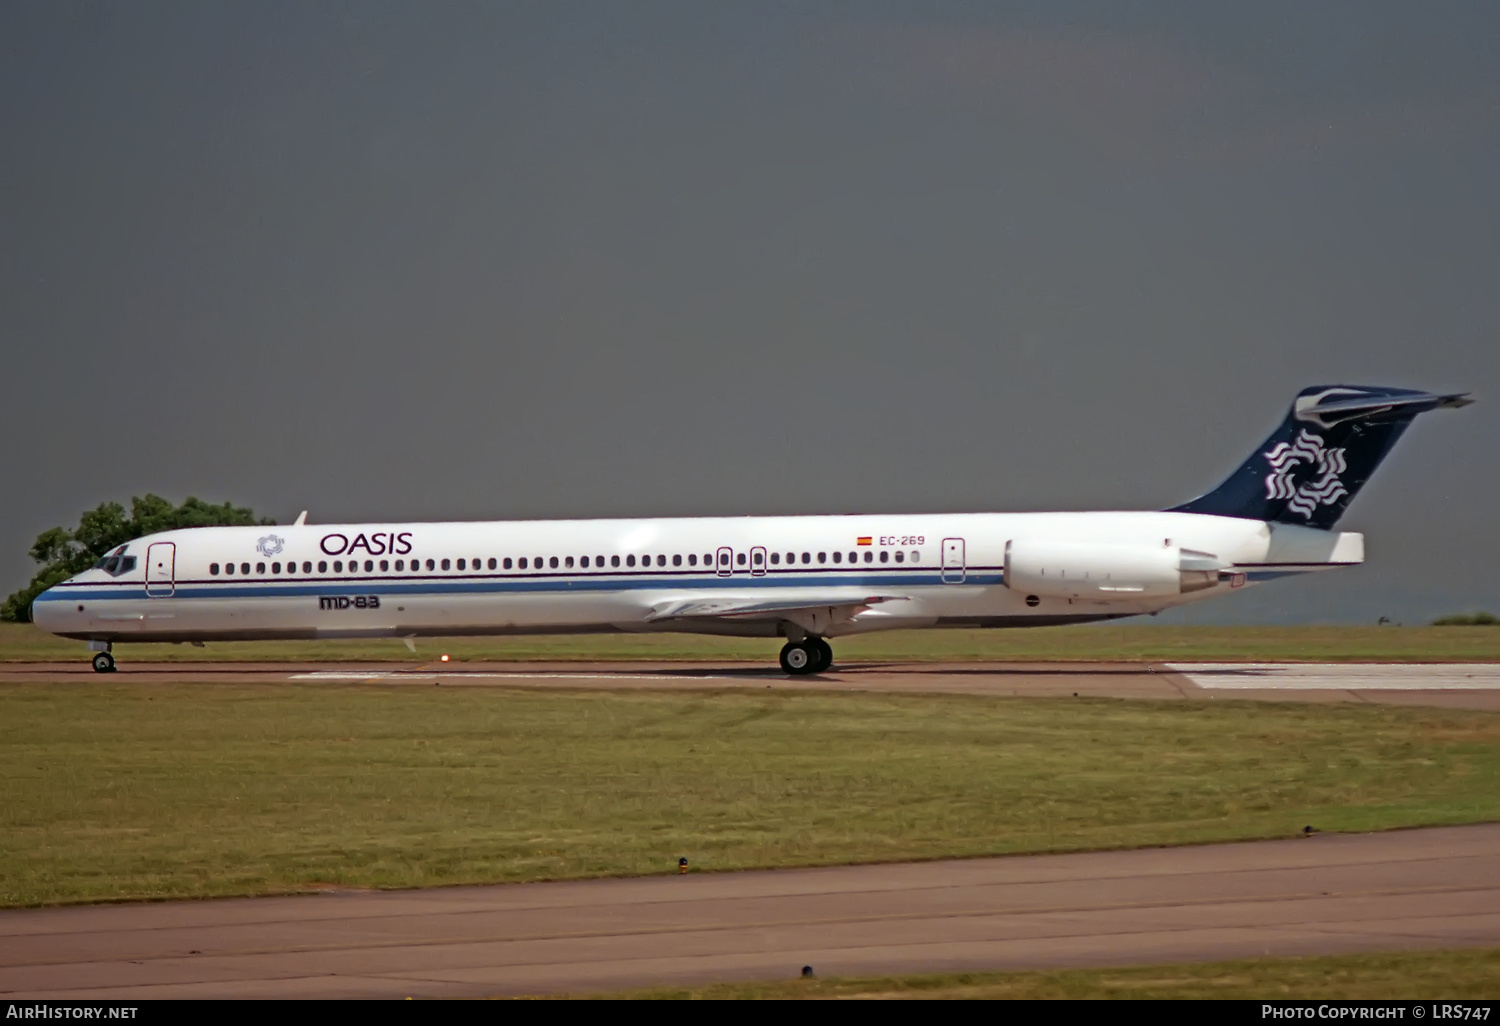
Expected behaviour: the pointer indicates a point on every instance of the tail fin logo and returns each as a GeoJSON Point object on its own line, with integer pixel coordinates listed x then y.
{"type": "Point", "coordinates": [1306, 472]}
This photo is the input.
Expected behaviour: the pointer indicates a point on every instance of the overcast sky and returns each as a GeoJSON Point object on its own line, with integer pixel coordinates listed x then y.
{"type": "Point", "coordinates": [504, 260]}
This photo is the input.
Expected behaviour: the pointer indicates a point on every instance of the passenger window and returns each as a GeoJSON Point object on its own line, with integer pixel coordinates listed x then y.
{"type": "Point", "coordinates": [260, 568]}
{"type": "Point", "coordinates": [521, 563]}
{"type": "Point", "coordinates": [677, 559]}
{"type": "Point", "coordinates": [807, 557]}
{"type": "Point", "coordinates": [384, 566]}
{"type": "Point", "coordinates": [838, 557]}
{"type": "Point", "coordinates": [400, 565]}
{"type": "Point", "coordinates": [507, 564]}
{"type": "Point", "coordinates": [322, 566]}
{"type": "Point", "coordinates": [369, 565]}
{"type": "Point", "coordinates": [869, 556]}
{"type": "Point", "coordinates": [708, 559]}
{"type": "Point", "coordinates": [275, 568]}
{"type": "Point", "coordinates": [431, 565]}
{"type": "Point", "coordinates": [740, 558]}
{"type": "Point", "coordinates": [614, 560]}
{"type": "Point", "coordinates": [692, 559]}
{"type": "Point", "coordinates": [915, 555]}
{"type": "Point", "coordinates": [567, 562]}
{"type": "Point", "coordinates": [444, 564]}
{"type": "Point", "coordinates": [583, 561]}
{"type": "Point", "coordinates": [776, 557]}
{"type": "Point", "coordinates": [213, 568]}
{"type": "Point", "coordinates": [630, 561]}
{"type": "Point", "coordinates": [854, 557]}
{"type": "Point", "coordinates": [757, 558]}
{"type": "Point", "coordinates": [229, 568]}
{"type": "Point", "coordinates": [885, 556]}
{"type": "Point", "coordinates": [493, 564]}
{"type": "Point", "coordinates": [661, 560]}
{"type": "Point", "coordinates": [598, 560]}
{"type": "Point", "coordinates": [900, 556]}
{"type": "Point", "coordinates": [461, 564]}
{"type": "Point", "coordinates": [552, 562]}
{"type": "Point", "coordinates": [244, 568]}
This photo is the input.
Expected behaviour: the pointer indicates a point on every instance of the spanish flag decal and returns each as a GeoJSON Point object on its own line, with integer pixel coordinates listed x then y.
{"type": "Point", "coordinates": [865, 540]}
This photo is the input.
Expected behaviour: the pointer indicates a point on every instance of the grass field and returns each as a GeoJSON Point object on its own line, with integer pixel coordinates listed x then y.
{"type": "Point", "coordinates": [1142, 642]}
{"type": "Point", "coordinates": [117, 790]}
{"type": "Point", "coordinates": [1431, 975]}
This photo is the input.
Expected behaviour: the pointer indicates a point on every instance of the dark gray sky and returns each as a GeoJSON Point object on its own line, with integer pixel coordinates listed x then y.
{"type": "Point", "coordinates": [388, 261]}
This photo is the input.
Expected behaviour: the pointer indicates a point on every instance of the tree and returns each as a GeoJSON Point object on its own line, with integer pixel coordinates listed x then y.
{"type": "Point", "coordinates": [64, 553]}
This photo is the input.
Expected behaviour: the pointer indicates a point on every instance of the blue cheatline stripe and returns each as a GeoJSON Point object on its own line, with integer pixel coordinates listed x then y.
{"type": "Point", "coordinates": [480, 586]}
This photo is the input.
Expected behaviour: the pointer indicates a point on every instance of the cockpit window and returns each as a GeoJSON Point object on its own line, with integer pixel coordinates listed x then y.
{"type": "Point", "coordinates": [116, 565]}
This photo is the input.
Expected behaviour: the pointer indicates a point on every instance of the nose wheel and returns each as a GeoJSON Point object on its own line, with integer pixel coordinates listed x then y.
{"type": "Point", "coordinates": [799, 658]}
{"type": "Point", "coordinates": [104, 662]}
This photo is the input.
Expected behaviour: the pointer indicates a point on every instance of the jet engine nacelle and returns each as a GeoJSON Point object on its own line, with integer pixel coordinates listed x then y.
{"type": "Point", "coordinates": [1104, 572]}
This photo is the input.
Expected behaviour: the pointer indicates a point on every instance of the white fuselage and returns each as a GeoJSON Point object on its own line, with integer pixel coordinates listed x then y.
{"type": "Point", "coordinates": [756, 576]}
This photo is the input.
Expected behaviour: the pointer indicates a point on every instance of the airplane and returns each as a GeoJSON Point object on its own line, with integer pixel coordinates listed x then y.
{"type": "Point", "coordinates": [802, 578]}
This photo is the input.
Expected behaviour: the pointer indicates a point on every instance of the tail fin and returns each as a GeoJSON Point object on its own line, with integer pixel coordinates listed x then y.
{"type": "Point", "coordinates": [1313, 465]}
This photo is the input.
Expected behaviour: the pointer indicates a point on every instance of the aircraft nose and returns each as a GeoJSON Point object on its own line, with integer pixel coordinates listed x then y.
{"type": "Point", "coordinates": [50, 611]}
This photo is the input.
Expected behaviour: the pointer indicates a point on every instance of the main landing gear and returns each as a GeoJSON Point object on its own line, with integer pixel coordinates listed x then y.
{"type": "Point", "coordinates": [813, 655]}
{"type": "Point", "coordinates": [104, 662]}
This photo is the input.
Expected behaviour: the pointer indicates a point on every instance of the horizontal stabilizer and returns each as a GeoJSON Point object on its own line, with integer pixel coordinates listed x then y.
{"type": "Point", "coordinates": [1328, 413]}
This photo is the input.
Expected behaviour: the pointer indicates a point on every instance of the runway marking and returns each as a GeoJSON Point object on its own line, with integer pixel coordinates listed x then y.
{"type": "Point", "coordinates": [1341, 676]}
{"type": "Point", "coordinates": [463, 675]}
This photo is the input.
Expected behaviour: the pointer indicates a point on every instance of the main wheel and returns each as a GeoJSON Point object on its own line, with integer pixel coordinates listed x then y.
{"type": "Point", "coordinates": [823, 656]}
{"type": "Point", "coordinates": [104, 663]}
{"type": "Point", "coordinates": [798, 658]}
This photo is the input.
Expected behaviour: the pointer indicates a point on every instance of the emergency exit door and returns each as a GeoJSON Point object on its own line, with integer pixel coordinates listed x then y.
{"type": "Point", "coordinates": [160, 582]}
{"type": "Point", "coordinates": [953, 561]}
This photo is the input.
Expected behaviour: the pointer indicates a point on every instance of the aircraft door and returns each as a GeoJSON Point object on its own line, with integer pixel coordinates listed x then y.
{"type": "Point", "coordinates": [725, 561]}
{"type": "Point", "coordinates": [160, 558]}
{"type": "Point", "coordinates": [953, 561]}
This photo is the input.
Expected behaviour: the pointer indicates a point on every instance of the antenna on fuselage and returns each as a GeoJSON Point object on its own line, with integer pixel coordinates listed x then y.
{"type": "Point", "coordinates": [301, 519]}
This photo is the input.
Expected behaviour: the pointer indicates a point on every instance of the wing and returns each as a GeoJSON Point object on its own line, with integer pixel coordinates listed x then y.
{"type": "Point", "coordinates": [814, 612]}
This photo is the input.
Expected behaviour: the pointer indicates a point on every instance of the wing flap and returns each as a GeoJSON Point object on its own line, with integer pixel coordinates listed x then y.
{"type": "Point", "coordinates": [755, 609]}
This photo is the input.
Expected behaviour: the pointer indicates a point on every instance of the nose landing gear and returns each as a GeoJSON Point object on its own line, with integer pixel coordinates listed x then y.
{"type": "Point", "coordinates": [799, 658]}
{"type": "Point", "coordinates": [104, 662]}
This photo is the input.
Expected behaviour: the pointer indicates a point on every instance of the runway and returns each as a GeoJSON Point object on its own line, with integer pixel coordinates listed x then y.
{"type": "Point", "coordinates": [1316, 895]}
{"type": "Point", "coordinates": [1459, 685]}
